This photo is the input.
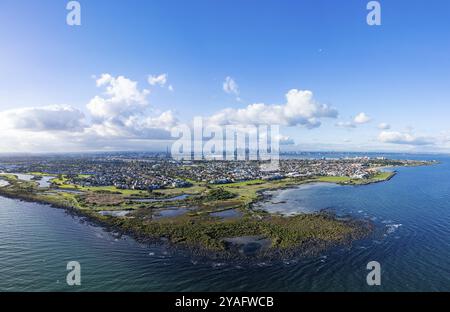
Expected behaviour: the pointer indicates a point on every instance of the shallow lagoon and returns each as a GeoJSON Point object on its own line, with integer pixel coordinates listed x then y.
{"type": "Point", "coordinates": [227, 214]}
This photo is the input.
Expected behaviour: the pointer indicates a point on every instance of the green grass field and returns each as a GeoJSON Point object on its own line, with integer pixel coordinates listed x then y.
{"type": "Point", "coordinates": [334, 179]}
{"type": "Point", "coordinates": [381, 176]}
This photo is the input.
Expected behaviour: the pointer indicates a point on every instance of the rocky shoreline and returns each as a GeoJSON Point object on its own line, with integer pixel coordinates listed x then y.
{"type": "Point", "coordinates": [310, 246]}
{"type": "Point", "coordinates": [232, 252]}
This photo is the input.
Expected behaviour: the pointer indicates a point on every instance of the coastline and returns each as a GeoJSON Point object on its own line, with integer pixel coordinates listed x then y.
{"type": "Point", "coordinates": [310, 246]}
{"type": "Point", "coordinates": [345, 255]}
{"type": "Point", "coordinates": [200, 235]}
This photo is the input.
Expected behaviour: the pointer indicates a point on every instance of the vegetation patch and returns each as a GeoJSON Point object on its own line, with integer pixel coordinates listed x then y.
{"type": "Point", "coordinates": [103, 199]}
{"type": "Point", "coordinates": [218, 194]}
{"type": "Point", "coordinates": [197, 229]}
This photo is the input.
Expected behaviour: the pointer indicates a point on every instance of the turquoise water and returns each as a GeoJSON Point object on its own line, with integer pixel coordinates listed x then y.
{"type": "Point", "coordinates": [412, 243]}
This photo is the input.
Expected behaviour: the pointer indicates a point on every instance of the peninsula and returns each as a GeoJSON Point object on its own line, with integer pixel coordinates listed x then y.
{"type": "Point", "coordinates": [205, 206]}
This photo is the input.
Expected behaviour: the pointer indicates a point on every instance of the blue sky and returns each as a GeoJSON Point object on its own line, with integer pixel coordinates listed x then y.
{"type": "Point", "coordinates": [396, 73]}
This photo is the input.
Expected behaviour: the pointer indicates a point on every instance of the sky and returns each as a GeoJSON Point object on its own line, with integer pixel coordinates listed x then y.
{"type": "Point", "coordinates": [134, 70]}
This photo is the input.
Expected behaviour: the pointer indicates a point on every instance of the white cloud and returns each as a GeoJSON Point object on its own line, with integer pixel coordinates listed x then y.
{"type": "Point", "coordinates": [170, 87]}
{"type": "Point", "coordinates": [103, 80]}
{"type": "Point", "coordinates": [285, 140]}
{"type": "Point", "coordinates": [126, 112]}
{"type": "Point", "coordinates": [160, 80]}
{"type": "Point", "coordinates": [165, 121]}
{"type": "Point", "coordinates": [122, 98]}
{"type": "Point", "coordinates": [230, 86]}
{"type": "Point", "coordinates": [119, 117]}
{"type": "Point", "coordinates": [361, 118]}
{"type": "Point", "coordinates": [300, 109]}
{"type": "Point", "coordinates": [384, 126]}
{"type": "Point", "coordinates": [396, 137]}
{"type": "Point", "coordinates": [134, 127]}
{"type": "Point", "coordinates": [46, 118]}
{"type": "Point", "coordinates": [155, 127]}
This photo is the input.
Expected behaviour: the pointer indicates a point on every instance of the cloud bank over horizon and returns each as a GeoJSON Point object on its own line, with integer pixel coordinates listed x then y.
{"type": "Point", "coordinates": [300, 110]}
{"type": "Point", "coordinates": [121, 117]}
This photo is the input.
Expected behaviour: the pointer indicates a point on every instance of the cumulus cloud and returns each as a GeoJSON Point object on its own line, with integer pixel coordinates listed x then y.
{"type": "Point", "coordinates": [42, 129]}
{"type": "Point", "coordinates": [120, 116]}
{"type": "Point", "coordinates": [166, 121]}
{"type": "Point", "coordinates": [135, 127]}
{"type": "Point", "coordinates": [230, 86]}
{"type": "Point", "coordinates": [151, 127]}
{"type": "Point", "coordinates": [384, 126]}
{"type": "Point", "coordinates": [160, 80]}
{"type": "Point", "coordinates": [361, 118]}
{"type": "Point", "coordinates": [300, 109]}
{"type": "Point", "coordinates": [396, 137]}
{"type": "Point", "coordinates": [46, 118]}
{"type": "Point", "coordinates": [121, 98]}
{"type": "Point", "coordinates": [124, 111]}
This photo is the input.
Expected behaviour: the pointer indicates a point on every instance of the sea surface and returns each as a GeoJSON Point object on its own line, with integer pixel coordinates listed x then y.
{"type": "Point", "coordinates": [411, 213]}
